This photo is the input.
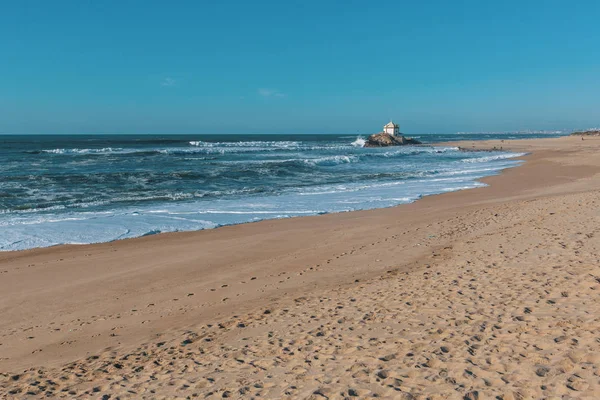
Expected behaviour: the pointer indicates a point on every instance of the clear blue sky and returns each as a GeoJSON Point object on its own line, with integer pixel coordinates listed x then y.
{"type": "Point", "coordinates": [297, 66]}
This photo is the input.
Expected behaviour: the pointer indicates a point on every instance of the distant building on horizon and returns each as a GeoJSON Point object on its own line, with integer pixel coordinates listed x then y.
{"type": "Point", "coordinates": [392, 129]}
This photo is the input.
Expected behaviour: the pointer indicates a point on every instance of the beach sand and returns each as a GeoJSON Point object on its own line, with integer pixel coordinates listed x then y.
{"type": "Point", "coordinates": [479, 294]}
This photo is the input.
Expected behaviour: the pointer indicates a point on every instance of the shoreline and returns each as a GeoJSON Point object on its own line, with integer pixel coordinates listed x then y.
{"type": "Point", "coordinates": [434, 145]}
{"type": "Point", "coordinates": [68, 302]}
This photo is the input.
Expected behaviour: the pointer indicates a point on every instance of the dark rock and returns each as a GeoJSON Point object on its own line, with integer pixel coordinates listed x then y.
{"type": "Point", "coordinates": [385, 139]}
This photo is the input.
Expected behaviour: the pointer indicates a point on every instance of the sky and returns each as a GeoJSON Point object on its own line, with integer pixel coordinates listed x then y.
{"type": "Point", "coordinates": [297, 66]}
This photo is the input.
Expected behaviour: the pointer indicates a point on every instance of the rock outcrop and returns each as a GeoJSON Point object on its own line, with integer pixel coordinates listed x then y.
{"type": "Point", "coordinates": [385, 139]}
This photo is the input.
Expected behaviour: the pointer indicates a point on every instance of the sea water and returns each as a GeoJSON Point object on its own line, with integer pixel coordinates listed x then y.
{"type": "Point", "coordinates": [87, 189]}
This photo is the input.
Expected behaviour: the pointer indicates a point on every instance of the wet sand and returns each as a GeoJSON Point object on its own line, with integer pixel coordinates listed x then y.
{"type": "Point", "coordinates": [479, 293]}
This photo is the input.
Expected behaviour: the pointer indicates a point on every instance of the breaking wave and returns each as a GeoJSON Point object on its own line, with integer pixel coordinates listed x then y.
{"type": "Point", "coordinates": [495, 157]}
{"type": "Point", "coordinates": [359, 142]}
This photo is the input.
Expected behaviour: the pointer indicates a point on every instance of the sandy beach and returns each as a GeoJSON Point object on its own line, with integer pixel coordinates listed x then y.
{"type": "Point", "coordinates": [488, 293]}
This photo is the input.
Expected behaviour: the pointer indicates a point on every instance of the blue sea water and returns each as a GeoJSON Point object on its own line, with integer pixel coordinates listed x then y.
{"type": "Point", "coordinates": [86, 189]}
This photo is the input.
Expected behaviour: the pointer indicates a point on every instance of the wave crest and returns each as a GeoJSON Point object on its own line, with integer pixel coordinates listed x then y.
{"type": "Point", "coordinates": [85, 151]}
{"type": "Point", "coordinates": [493, 158]}
{"type": "Point", "coordinates": [253, 143]}
{"type": "Point", "coordinates": [359, 142]}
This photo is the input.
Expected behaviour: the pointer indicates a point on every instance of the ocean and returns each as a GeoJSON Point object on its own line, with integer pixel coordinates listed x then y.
{"type": "Point", "coordinates": [57, 189]}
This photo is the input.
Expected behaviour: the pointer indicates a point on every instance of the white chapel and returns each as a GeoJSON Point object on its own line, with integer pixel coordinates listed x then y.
{"type": "Point", "coordinates": [392, 129]}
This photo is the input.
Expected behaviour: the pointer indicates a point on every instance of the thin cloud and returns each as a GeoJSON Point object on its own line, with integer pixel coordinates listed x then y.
{"type": "Point", "coordinates": [270, 93]}
{"type": "Point", "coordinates": [168, 82]}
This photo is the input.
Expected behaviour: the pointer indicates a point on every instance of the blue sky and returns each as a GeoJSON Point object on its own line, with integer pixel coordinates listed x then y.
{"type": "Point", "coordinates": [297, 66]}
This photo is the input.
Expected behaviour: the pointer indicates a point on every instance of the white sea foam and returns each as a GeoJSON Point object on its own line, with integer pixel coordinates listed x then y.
{"type": "Point", "coordinates": [254, 143]}
{"type": "Point", "coordinates": [389, 152]}
{"type": "Point", "coordinates": [493, 157]}
{"type": "Point", "coordinates": [104, 150]}
{"type": "Point", "coordinates": [359, 142]}
{"type": "Point", "coordinates": [331, 160]}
